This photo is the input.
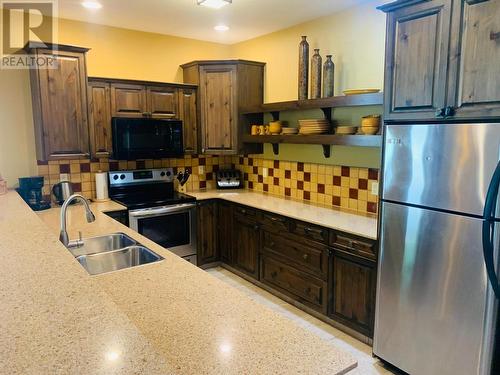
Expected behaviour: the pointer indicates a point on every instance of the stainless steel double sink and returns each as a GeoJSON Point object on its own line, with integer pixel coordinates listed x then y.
{"type": "Point", "coordinates": [112, 252]}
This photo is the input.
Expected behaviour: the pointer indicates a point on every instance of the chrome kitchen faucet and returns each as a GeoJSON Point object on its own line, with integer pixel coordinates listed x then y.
{"type": "Point", "coordinates": [63, 236]}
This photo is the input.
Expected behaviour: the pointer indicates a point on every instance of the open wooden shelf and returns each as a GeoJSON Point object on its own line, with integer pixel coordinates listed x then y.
{"type": "Point", "coordinates": [323, 103]}
{"type": "Point", "coordinates": [326, 140]}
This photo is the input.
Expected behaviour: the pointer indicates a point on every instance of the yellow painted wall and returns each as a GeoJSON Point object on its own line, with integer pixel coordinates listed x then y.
{"type": "Point", "coordinates": [355, 37]}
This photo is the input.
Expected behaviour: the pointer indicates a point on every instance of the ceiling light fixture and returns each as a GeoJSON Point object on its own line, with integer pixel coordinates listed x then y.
{"type": "Point", "coordinates": [91, 5]}
{"type": "Point", "coordinates": [216, 4]}
{"type": "Point", "coordinates": [221, 28]}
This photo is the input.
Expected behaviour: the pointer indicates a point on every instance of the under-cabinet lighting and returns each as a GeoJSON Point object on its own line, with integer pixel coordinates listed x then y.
{"type": "Point", "coordinates": [216, 4]}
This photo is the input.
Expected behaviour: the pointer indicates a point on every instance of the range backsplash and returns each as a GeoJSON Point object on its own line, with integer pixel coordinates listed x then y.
{"type": "Point", "coordinates": [337, 186]}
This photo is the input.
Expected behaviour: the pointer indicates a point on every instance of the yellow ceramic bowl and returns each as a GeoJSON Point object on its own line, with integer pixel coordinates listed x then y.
{"type": "Point", "coordinates": [275, 127]}
{"type": "Point", "coordinates": [370, 121]}
{"type": "Point", "coordinates": [370, 130]}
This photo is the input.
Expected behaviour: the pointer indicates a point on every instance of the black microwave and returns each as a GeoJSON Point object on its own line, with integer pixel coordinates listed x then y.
{"type": "Point", "coordinates": [146, 138]}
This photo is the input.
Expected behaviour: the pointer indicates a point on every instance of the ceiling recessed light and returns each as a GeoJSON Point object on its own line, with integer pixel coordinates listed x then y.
{"type": "Point", "coordinates": [221, 28]}
{"type": "Point", "coordinates": [216, 4]}
{"type": "Point", "coordinates": [91, 5]}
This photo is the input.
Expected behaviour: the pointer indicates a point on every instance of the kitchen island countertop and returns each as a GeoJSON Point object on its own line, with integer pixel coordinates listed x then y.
{"type": "Point", "coordinates": [165, 317]}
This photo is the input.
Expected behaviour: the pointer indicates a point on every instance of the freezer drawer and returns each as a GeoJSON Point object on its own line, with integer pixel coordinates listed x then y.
{"type": "Point", "coordinates": [434, 304]}
{"type": "Point", "coordinates": [446, 166]}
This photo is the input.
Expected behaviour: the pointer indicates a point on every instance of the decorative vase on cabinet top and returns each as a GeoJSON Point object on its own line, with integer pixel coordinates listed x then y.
{"type": "Point", "coordinates": [303, 68]}
{"type": "Point", "coordinates": [328, 77]}
{"type": "Point", "coordinates": [316, 66]}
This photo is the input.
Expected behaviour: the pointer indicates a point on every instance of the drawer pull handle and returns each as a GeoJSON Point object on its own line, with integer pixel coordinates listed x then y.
{"type": "Point", "coordinates": [243, 211]}
{"type": "Point", "coordinates": [271, 243]}
{"type": "Point", "coordinates": [276, 219]}
{"type": "Point", "coordinates": [256, 227]}
{"type": "Point", "coordinates": [309, 230]}
{"type": "Point", "coordinates": [305, 256]}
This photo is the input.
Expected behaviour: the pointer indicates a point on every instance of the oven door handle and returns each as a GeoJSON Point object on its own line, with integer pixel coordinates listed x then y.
{"type": "Point", "coordinates": [161, 210]}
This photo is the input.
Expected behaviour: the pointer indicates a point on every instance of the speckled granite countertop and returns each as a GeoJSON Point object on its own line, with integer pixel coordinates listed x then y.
{"type": "Point", "coordinates": [361, 225]}
{"type": "Point", "coordinates": [166, 317]}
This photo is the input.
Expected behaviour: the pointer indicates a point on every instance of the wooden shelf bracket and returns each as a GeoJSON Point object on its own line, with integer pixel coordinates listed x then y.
{"type": "Point", "coordinates": [326, 151]}
{"type": "Point", "coordinates": [276, 148]}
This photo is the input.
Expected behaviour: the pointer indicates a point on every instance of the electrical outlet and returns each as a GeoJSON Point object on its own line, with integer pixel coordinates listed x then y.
{"type": "Point", "coordinates": [264, 172]}
{"type": "Point", "coordinates": [64, 177]}
{"type": "Point", "coordinates": [375, 188]}
{"type": "Point", "coordinates": [201, 169]}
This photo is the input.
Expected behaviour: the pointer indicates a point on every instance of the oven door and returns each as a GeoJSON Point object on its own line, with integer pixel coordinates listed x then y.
{"type": "Point", "coordinates": [173, 227]}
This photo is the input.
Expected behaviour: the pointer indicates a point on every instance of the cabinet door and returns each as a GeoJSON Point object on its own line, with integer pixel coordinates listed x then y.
{"type": "Point", "coordinates": [207, 233]}
{"type": "Point", "coordinates": [61, 95]}
{"type": "Point", "coordinates": [163, 102]}
{"type": "Point", "coordinates": [101, 142]}
{"type": "Point", "coordinates": [246, 246]}
{"type": "Point", "coordinates": [225, 219]}
{"type": "Point", "coordinates": [128, 100]}
{"type": "Point", "coordinates": [353, 289]}
{"type": "Point", "coordinates": [218, 109]}
{"type": "Point", "coordinates": [188, 115]}
{"type": "Point", "coordinates": [474, 80]}
{"type": "Point", "coordinates": [416, 60]}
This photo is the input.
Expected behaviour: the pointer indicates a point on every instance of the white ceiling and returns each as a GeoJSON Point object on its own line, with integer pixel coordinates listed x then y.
{"type": "Point", "coordinates": [246, 18]}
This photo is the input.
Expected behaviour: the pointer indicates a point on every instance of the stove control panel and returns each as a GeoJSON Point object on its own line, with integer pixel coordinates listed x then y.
{"type": "Point", "coordinates": [141, 176]}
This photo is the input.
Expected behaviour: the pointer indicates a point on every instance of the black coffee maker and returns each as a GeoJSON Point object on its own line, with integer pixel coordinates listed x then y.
{"type": "Point", "coordinates": [30, 189]}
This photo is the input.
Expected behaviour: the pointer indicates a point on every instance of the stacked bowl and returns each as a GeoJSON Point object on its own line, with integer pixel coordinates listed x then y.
{"type": "Point", "coordinates": [370, 124]}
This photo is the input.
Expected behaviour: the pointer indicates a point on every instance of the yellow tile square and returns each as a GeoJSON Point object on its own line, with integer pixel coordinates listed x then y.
{"type": "Point", "coordinates": [329, 189]}
{"type": "Point", "coordinates": [337, 170]}
{"type": "Point", "coordinates": [314, 197]}
{"type": "Point", "coordinates": [74, 168]}
{"type": "Point", "coordinates": [133, 164]}
{"type": "Point", "coordinates": [353, 172]}
{"type": "Point", "coordinates": [321, 179]}
{"type": "Point", "coordinates": [353, 204]}
{"type": "Point", "coordinates": [86, 186]}
{"type": "Point", "coordinates": [293, 166]}
{"type": "Point", "coordinates": [314, 168]}
{"type": "Point", "coordinates": [53, 162]}
{"type": "Point", "coordinates": [329, 170]}
{"type": "Point", "coordinates": [362, 195]}
{"type": "Point", "coordinates": [307, 167]}
{"type": "Point", "coordinates": [300, 176]}
{"type": "Point", "coordinates": [314, 177]}
{"type": "Point", "coordinates": [314, 187]}
{"type": "Point", "coordinates": [362, 206]}
{"type": "Point", "coordinates": [286, 165]}
{"type": "Point", "coordinates": [94, 167]}
{"type": "Point", "coordinates": [321, 198]}
{"type": "Point", "coordinates": [372, 198]}
{"type": "Point", "coordinates": [288, 183]}
{"type": "Point", "coordinates": [121, 165]}
{"type": "Point", "coordinates": [104, 167]}
{"type": "Point", "coordinates": [344, 202]}
{"type": "Point", "coordinates": [353, 183]}
{"type": "Point", "coordinates": [294, 175]}
{"type": "Point", "coordinates": [337, 191]}
{"type": "Point", "coordinates": [344, 182]}
{"type": "Point", "coordinates": [321, 169]}
{"type": "Point", "coordinates": [363, 173]}
{"type": "Point", "coordinates": [53, 168]}
{"type": "Point", "coordinates": [307, 186]}
{"type": "Point", "coordinates": [344, 192]}
{"type": "Point", "coordinates": [43, 170]}
{"type": "Point", "coordinates": [75, 177]}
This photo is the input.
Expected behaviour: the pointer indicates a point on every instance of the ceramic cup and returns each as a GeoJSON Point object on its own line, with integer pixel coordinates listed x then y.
{"type": "Point", "coordinates": [262, 130]}
{"type": "Point", "coordinates": [255, 130]}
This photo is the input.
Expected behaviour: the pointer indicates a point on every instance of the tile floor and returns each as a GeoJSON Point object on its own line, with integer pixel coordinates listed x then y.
{"type": "Point", "coordinates": [367, 365]}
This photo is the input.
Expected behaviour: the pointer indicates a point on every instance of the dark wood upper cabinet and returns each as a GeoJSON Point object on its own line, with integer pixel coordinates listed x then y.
{"type": "Point", "coordinates": [441, 60]}
{"type": "Point", "coordinates": [99, 95]}
{"type": "Point", "coordinates": [128, 100]}
{"type": "Point", "coordinates": [208, 250]}
{"type": "Point", "coordinates": [474, 75]}
{"type": "Point", "coordinates": [416, 60]}
{"type": "Point", "coordinates": [189, 116]}
{"type": "Point", "coordinates": [225, 86]}
{"type": "Point", "coordinates": [60, 104]}
{"type": "Point", "coordinates": [162, 102]}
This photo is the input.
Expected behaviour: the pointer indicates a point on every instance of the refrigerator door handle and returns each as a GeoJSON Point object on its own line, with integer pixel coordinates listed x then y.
{"type": "Point", "coordinates": [488, 227]}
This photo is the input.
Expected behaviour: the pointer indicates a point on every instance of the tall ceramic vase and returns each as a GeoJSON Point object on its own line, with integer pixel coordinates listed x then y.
{"type": "Point", "coordinates": [303, 68]}
{"type": "Point", "coordinates": [328, 77]}
{"type": "Point", "coordinates": [316, 66]}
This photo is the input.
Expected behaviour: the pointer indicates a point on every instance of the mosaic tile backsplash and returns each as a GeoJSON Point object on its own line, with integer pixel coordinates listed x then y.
{"type": "Point", "coordinates": [338, 186]}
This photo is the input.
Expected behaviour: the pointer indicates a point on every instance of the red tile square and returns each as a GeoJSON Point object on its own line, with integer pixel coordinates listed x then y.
{"type": "Point", "coordinates": [77, 187]}
{"type": "Point", "coordinates": [307, 195]}
{"type": "Point", "coordinates": [336, 201]}
{"type": "Point", "coordinates": [202, 161]}
{"type": "Point", "coordinates": [363, 184]}
{"type": "Point", "coordinates": [241, 160]}
{"type": "Point", "coordinates": [307, 176]}
{"type": "Point", "coordinates": [250, 161]}
{"type": "Point", "coordinates": [140, 164]}
{"type": "Point", "coordinates": [276, 181]}
{"type": "Point", "coordinates": [276, 164]}
{"type": "Point", "coordinates": [210, 176]}
{"type": "Point", "coordinates": [255, 170]}
{"type": "Point", "coordinates": [288, 174]}
{"type": "Point", "coordinates": [372, 207]}
{"type": "Point", "coordinates": [266, 187]}
{"type": "Point", "coordinates": [245, 176]}
{"type": "Point", "coordinates": [288, 192]}
{"type": "Point", "coordinates": [260, 178]}
{"type": "Point", "coordinates": [321, 188]}
{"type": "Point", "coordinates": [270, 172]}
{"type": "Point", "coordinates": [337, 180]}
{"type": "Point", "coordinates": [300, 166]}
{"type": "Point", "coordinates": [85, 167]}
{"type": "Point", "coordinates": [250, 184]}
{"type": "Point", "coordinates": [346, 172]}
{"type": "Point", "coordinates": [372, 174]}
{"type": "Point", "coordinates": [300, 185]}
{"type": "Point", "coordinates": [203, 184]}
{"type": "Point", "coordinates": [215, 168]}
{"type": "Point", "coordinates": [353, 193]}
{"type": "Point", "coordinates": [64, 168]}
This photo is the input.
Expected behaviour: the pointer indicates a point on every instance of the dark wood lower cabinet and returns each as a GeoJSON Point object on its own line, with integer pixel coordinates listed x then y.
{"type": "Point", "coordinates": [246, 245]}
{"type": "Point", "coordinates": [353, 291]}
{"type": "Point", "coordinates": [331, 272]}
{"type": "Point", "coordinates": [208, 250]}
{"type": "Point", "coordinates": [299, 285]}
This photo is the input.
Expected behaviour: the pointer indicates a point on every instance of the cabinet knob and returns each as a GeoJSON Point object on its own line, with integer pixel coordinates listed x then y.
{"type": "Point", "coordinates": [256, 227]}
{"type": "Point", "coordinates": [440, 112]}
{"type": "Point", "coordinates": [305, 256]}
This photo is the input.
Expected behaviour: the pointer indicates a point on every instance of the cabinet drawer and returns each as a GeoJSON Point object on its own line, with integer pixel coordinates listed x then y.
{"type": "Point", "coordinates": [355, 245]}
{"type": "Point", "coordinates": [246, 212]}
{"type": "Point", "coordinates": [296, 284]}
{"type": "Point", "coordinates": [275, 223]}
{"type": "Point", "coordinates": [313, 259]}
{"type": "Point", "coordinates": [310, 231]}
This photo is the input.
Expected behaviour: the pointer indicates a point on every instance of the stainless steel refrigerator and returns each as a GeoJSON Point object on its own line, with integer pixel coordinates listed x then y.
{"type": "Point", "coordinates": [437, 288]}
